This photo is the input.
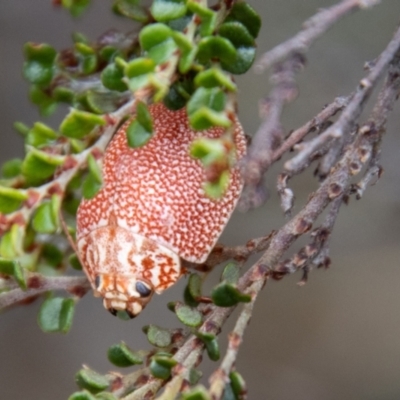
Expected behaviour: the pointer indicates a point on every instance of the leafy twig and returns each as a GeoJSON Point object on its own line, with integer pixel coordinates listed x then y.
{"type": "Point", "coordinates": [38, 284]}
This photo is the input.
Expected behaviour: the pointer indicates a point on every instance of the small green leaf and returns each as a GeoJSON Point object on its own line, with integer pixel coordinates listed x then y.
{"type": "Point", "coordinates": [19, 276]}
{"type": "Point", "coordinates": [180, 24]}
{"type": "Point", "coordinates": [105, 396]}
{"type": "Point", "coordinates": [90, 187]}
{"type": "Point", "coordinates": [237, 34]}
{"type": "Point", "coordinates": [137, 134]}
{"type": "Point", "coordinates": [7, 266]}
{"type": "Point", "coordinates": [174, 100]}
{"type": "Point", "coordinates": [94, 168]}
{"type": "Point", "coordinates": [11, 244]}
{"type": "Point", "coordinates": [187, 315]}
{"type": "Point", "coordinates": [214, 77]}
{"type": "Point", "coordinates": [209, 151]}
{"type": "Point", "coordinates": [240, 37]}
{"type": "Point", "coordinates": [231, 273]}
{"type": "Point", "coordinates": [167, 10]}
{"type": "Point", "coordinates": [213, 98]}
{"type": "Point", "coordinates": [238, 385]}
{"type": "Point", "coordinates": [208, 17]}
{"type": "Point", "coordinates": [75, 7]}
{"type": "Point", "coordinates": [156, 40]}
{"type": "Point", "coordinates": [160, 366]}
{"type": "Point", "coordinates": [52, 254]}
{"type": "Point", "coordinates": [215, 48]}
{"type": "Point", "coordinates": [12, 168]}
{"type": "Point", "coordinates": [38, 68]}
{"type": "Point", "coordinates": [46, 218]}
{"type": "Point", "coordinates": [40, 52]}
{"type": "Point", "coordinates": [39, 165]}
{"type": "Point", "coordinates": [139, 66]}
{"type": "Point", "coordinates": [205, 118]}
{"type": "Point", "coordinates": [131, 9]}
{"type": "Point", "coordinates": [211, 343]}
{"type": "Point", "coordinates": [111, 77]}
{"type": "Point", "coordinates": [40, 135]}
{"type": "Point", "coordinates": [74, 262]}
{"type": "Point", "coordinates": [244, 13]}
{"type": "Point", "coordinates": [153, 35]}
{"type": "Point", "coordinates": [122, 356]}
{"type": "Point", "coordinates": [193, 290]}
{"type": "Point", "coordinates": [245, 57]}
{"type": "Point", "coordinates": [37, 73]}
{"type": "Point", "coordinates": [82, 395]}
{"type": "Point", "coordinates": [199, 392]}
{"type": "Point", "coordinates": [157, 336]}
{"type": "Point", "coordinates": [11, 199]}
{"type": "Point", "coordinates": [63, 95]}
{"type": "Point", "coordinates": [77, 124]}
{"type": "Point", "coordinates": [46, 104]}
{"type": "Point", "coordinates": [13, 268]}
{"type": "Point", "coordinates": [102, 101]}
{"type": "Point", "coordinates": [206, 109]}
{"type": "Point", "coordinates": [227, 295]}
{"type": "Point", "coordinates": [139, 72]}
{"type": "Point", "coordinates": [91, 380]}
{"type": "Point", "coordinates": [56, 315]}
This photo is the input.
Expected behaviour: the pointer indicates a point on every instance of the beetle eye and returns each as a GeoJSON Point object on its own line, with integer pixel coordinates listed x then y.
{"type": "Point", "coordinates": [142, 289]}
{"type": "Point", "coordinates": [113, 311]}
{"type": "Point", "coordinates": [97, 281]}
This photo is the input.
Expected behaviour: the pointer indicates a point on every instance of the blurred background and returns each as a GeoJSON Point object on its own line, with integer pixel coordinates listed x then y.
{"type": "Point", "coordinates": [336, 337]}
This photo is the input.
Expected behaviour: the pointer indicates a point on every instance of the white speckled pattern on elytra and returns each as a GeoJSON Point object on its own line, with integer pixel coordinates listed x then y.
{"type": "Point", "coordinates": [155, 193]}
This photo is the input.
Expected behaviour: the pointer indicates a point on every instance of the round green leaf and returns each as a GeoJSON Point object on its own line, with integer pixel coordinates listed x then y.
{"type": "Point", "coordinates": [157, 336]}
{"type": "Point", "coordinates": [77, 124]}
{"type": "Point", "coordinates": [11, 199]}
{"type": "Point", "coordinates": [40, 135]}
{"type": "Point", "coordinates": [199, 392]}
{"type": "Point", "coordinates": [214, 77]}
{"type": "Point", "coordinates": [153, 35]}
{"type": "Point", "coordinates": [244, 13]}
{"type": "Point", "coordinates": [105, 396]}
{"type": "Point", "coordinates": [205, 118]}
{"type": "Point", "coordinates": [187, 315]}
{"type": "Point", "coordinates": [111, 78]}
{"type": "Point", "coordinates": [131, 9]}
{"type": "Point", "coordinates": [215, 47]}
{"type": "Point", "coordinates": [245, 57]}
{"type": "Point", "coordinates": [43, 221]}
{"type": "Point", "coordinates": [231, 273]}
{"type": "Point", "coordinates": [122, 356]}
{"type": "Point", "coordinates": [238, 384]}
{"type": "Point", "coordinates": [75, 263]}
{"type": "Point", "coordinates": [160, 366]}
{"type": "Point", "coordinates": [236, 33]}
{"type": "Point", "coordinates": [56, 314]}
{"type": "Point", "coordinates": [91, 380]}
{"type": "Point", "coordinates": [39, 165]}
{"type": "Point", "coordinates": [91, 186]}
{"type": "Point", "coordinates": [227, 295]}
{"type": "Point", "coordinates": [137, 134]}
{"type": "Point", "coordinates": [37, 73]}
{"type": "Point", "coordinates": [193, 290]}
{"type": "Point", "coordinates": [167, 10]}
{"type": "Point", "coordinates": [214, 99]}
{"type": "Point", "coordinates": [83, 395]}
